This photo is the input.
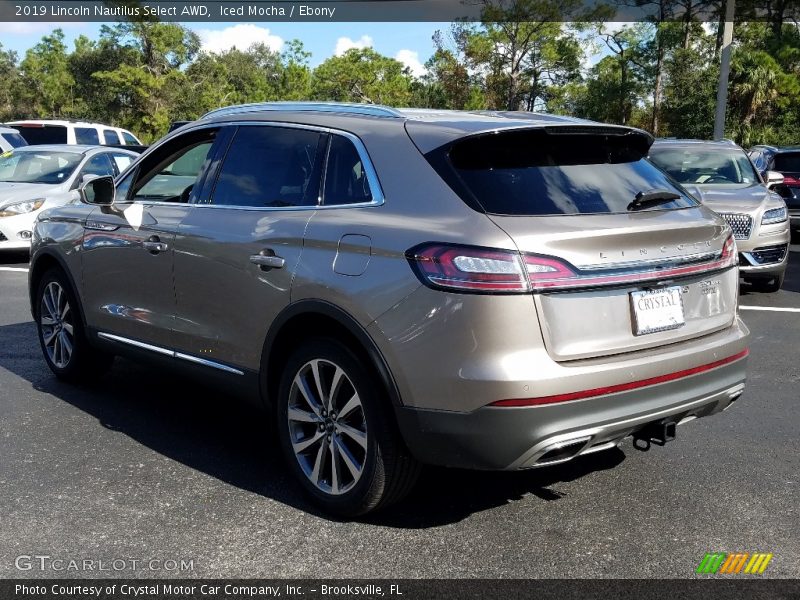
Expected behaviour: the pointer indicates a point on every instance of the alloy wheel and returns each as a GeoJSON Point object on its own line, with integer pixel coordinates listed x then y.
{"type": "Point", "coordinates": [327, 426]}
{"type": "Point", "coordinates": [55, 320]}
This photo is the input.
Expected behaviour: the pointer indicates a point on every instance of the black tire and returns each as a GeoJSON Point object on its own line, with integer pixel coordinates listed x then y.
{"type": "Point", "coordinates": [388, 472]}
{"type": "Point", "coordinates": [768, 286]}
{"type": "Point", "coordinates": [84, 362]}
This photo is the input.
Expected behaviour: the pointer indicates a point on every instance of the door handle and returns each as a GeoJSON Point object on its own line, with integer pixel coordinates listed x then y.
{"type": "Point", "coordinates": [267, 260]}
{"type": "Point", "coordinates": [154, 245]}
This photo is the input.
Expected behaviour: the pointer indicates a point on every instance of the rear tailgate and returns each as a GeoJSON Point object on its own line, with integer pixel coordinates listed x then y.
{"type": "Point", "coordinates": [619, 258]}
{"type": "Point", "coordinates": [601, 320]}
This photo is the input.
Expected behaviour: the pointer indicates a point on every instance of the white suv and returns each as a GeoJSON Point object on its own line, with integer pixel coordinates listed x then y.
{"type": "Point", "coordinates": [40, 131]}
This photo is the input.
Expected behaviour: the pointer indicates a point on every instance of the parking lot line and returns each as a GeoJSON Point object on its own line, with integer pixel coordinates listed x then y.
{"type": "Point", "coordinates": [18, 269]}
{"type": "Point", "coordinates": [770, 308]}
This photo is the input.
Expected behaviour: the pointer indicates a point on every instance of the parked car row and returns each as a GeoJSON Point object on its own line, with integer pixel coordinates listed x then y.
{"type": "Point", "coordinates": [52, 131]}
{"type": "Point", "coordinates": [36, 178]}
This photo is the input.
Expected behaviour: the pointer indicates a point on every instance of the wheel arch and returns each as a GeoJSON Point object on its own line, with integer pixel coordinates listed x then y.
{"type": "Point", "coordinates": [42, 262]}
{"type": "Point", "coordinates": [310, 317]}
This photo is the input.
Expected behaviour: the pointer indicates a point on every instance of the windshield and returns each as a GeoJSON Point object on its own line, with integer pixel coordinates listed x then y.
{"type": "Point", "coordinates": [788, 162]}
{"type": "Point", "coordinates": [38, 167]}
{"type": "Point", "coordinates": [705, 165]}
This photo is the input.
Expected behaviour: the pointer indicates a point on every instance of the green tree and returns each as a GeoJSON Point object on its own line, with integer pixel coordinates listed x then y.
{"type": "Point", "coordinates": [46, 86]}
{"type": "Point", "coordinates": [9, 75]}
{"type": "Point", "coordinates": [362, 75]}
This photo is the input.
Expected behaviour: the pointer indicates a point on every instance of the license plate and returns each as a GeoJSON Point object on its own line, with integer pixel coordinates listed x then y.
{"type": "Point", "coordinates": [657, 310]}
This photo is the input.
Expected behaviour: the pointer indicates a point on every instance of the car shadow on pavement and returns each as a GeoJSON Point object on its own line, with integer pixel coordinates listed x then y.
{"type": "Point", "coordinates": [222, 436]}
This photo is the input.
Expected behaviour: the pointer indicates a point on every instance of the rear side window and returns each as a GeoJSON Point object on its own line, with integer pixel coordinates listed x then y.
{"type": "Point", "coordinates": [99, 165]}
{"type": "Point", "coordinates": [129, 139]}
{"type": "Point", "coordinates": [536, 172]}
{"type": "Point", "coordinates": [122, 161]}
{"type": "Point", "coordinates": [86, 135]}
{"type": "Point", "coordinates": [110, 137]}
{"type": "Point", "coordinates": [43, 134]}
{"type": "Point", "coordinates": [15, 140]}
{"type": "Point", "coordinates": [788, 162]}
{"type": "Point", "coordinates": [345, 176]}
{"type": "Point", "coordinates": [270, 167]}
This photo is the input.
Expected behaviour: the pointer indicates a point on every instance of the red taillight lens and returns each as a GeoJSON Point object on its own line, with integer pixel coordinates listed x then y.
{"type": "Point", "coordinates": [472, 268]}
{"type": "Point", "coordinates": [469, 268]}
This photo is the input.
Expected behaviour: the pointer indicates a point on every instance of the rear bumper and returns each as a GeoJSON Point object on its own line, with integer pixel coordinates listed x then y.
{"type": "Point", "coordinates": [502, 438]}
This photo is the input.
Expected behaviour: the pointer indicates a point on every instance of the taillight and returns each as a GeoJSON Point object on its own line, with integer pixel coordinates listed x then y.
{"type": "Point", "coordinates": [469, 268]}
{"type": "Point", "coordinates": [487, 270]}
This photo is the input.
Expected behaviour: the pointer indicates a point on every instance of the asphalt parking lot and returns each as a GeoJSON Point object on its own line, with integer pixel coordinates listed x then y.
{"type": "Point", "coordinates": [143, 466]}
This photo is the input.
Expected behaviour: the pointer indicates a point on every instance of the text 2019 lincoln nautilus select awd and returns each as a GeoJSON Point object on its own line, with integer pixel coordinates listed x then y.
{"type": "Point", "coordinates": [398, 287]}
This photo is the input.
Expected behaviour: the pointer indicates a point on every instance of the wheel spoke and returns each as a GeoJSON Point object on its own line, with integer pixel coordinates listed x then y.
{"type": "Point", "coordinates": [335, 383]}
{"type": "Point", "coordinates": [65, 311]}
{"type": "Point", "coordinates": [47, 321]}
{"type": "Point", "coordinates": [318, 382]}
{"type": "Point", "coordinates": [57, 351]}
{"type": "Point", "coordinates": [351, 405]}
{"type": "Point", "coordinates": [303, 445]}
{"type": "Point", "coordinates": [295, 414]}
{"type": "Point", "coordinates": [359, 437]}
{"type": "Point", "coordinates": [66, 344]}
{"type": "Point", "coordinates": [334, 467]}
{"type": "Point", "coordinates": [301, 385]}
{"type": "Point", "coordinates": [348, 458]}
{"type": "Point", "coordinates": [318, 462]}
{"type": "Point", "coordinates": [67, 328]}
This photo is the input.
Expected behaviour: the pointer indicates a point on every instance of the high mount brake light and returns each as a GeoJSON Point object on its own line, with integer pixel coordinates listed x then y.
{"type": "Point", "coordinates": [488, 270]}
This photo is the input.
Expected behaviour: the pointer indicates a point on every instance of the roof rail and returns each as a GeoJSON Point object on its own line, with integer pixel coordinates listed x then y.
{"type": "Point", "coordinates": [371, 110]}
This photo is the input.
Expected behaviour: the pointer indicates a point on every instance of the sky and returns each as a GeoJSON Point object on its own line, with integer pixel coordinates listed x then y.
{"type": "Point", "coordinates": [410, 43]}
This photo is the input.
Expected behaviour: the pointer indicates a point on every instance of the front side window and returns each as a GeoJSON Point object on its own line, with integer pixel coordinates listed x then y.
{"type": "Point", "coordinates": [86, 135]}
{"type": "Point", "coordinates": [345, 176]}
{"type": "Point", "coordinates": [270, 167]}
{"type": "Point", "coordinates": [705, 165]}
{"type": "Point", "coordinates": [170, 173]}
{"type": "Point", "coordinates": [38, 167]}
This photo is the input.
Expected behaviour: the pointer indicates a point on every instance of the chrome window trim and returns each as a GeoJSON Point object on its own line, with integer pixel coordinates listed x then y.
{"type": "Point", "coordinates": [378, 198]}
{"type": "Point", "coordinates": [167, 352]}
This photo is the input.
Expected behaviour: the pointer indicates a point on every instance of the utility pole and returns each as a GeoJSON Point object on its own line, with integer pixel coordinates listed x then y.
{"type": "Point", "coordinates": [724, 71]}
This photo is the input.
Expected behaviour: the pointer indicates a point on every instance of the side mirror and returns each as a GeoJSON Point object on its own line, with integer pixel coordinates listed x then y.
{"type": "Point", "coordinates": [98, 190]}
{"type": "Point", "coordinates": [773, 178]}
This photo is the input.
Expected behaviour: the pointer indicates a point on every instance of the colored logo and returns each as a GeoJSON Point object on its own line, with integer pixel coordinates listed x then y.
{"type": "Point", "coordinates": [734, 563]}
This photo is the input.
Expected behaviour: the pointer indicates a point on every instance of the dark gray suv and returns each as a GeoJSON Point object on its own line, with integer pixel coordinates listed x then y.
{"type": "Point", "coordinates": [400, 287]}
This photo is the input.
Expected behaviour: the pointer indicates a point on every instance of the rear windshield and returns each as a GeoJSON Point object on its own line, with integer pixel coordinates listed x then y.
{"type": "Point", "coordinates": [43, 134]}
{"type": "Point", "coordinates": [14, 139]}
{"type": "Point", "coordinates": [535, 172]}
{"type": "Point", "coordinates": [788, 162]}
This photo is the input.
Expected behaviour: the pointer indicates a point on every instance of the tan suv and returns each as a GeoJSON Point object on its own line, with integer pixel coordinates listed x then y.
{"type": "Point", "coordinates": [400, 287]}
{"type": "Point", "coordinates": [721, 175]}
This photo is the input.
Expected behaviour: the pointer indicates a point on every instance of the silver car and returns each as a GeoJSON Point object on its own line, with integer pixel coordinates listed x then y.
{"type": "Point", "coordinates": [721, 175]}
{"type": "Point", "coordinates": [36, 178]}
{"type": "Point", "coordinates": [398, 287]}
